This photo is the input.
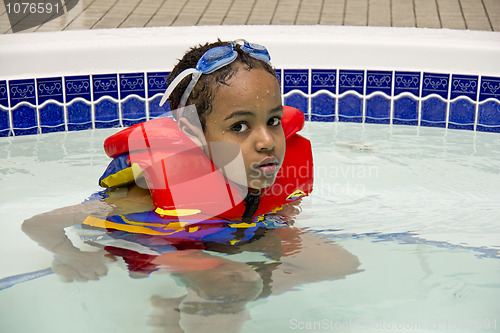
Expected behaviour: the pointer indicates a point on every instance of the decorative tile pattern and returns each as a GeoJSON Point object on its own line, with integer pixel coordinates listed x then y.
{"type": "Point", "coordinates": [4, 96]}
{"type": "Point", "coordinates": [24, 120]}
{"type": "Point", "coordinates": [24, 117]}
{"type": "Point", "coordinates": [433, 112]}
{"type": "Point", "coordinates": [323, 108]}
{"type": "Point", "coordinates": [323, 80]}
{"type": "Point", "coordinates": [407, 82]}
{"type": "Point", "coordinates": [157, 83]}
{"type": "Point", "coordinates": [77, 87]}
{"type": "Point", "coordinates": [155, 110]}
{"type": "Point", "coordinates": [42, 105]}
{"type": "Point", "coordinates": [489, 116]}
{"type": "Point", "coordinates": [464, 85]}
{"type": "Point", "coordinates": [51, 118]}
{"type": "Point", "coordinates": [51, 114]}
{"type": "Point", "coordinates": [462, 114]}
{"type": "Point", "coordinates": [106, 114]}
{"type": "Point", "coordinates": [350, 108]}
{"type": "Point", "coordinates": [435, 84]}
{"type": "Point", "coordinates": [79, 116]}
{"type": "Point", "coordinates": [133, 111]}
{"type": "Point", "coordinates": [378, 110]}
{"type": "Point", "coordinates": [351, 81]}
{"type": "Point", "coordinates": [105, 86]}
{"type": "Point", "coordinates": [22, 91]}
{"type": "Point", "coordinates": [299, 102]}
{"type": "Point", "coordinates": [490, 88]}
{"type": "Point", "coordinates": [4, 123]}
{"type": "Point", "coordinates": [278, 75]}
{"type": "Point", "coordinates": [132, 84]}
{"type": "Point", "coordinates": [405, 111]}
{"type": "Point", "coordinates": [296, 79]}
{"type": "Point", "coordinates": [50, 89]}
{"type": "Point", "coordinates": [379, 81]}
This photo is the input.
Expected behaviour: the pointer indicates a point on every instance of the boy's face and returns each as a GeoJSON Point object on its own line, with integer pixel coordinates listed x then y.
{"type": "Point", "coordinates": [247, 112]}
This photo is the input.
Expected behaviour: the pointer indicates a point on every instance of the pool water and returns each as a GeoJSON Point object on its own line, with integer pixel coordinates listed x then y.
{"type": "Point", "coordinates": [418, 207]}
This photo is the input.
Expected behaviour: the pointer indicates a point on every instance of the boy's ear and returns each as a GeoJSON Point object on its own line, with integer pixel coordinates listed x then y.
{"type": "Point", "coordinates": [194, 132]}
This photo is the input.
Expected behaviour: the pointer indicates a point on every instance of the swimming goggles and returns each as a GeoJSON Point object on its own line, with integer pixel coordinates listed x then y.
{"type": "Point", "coordinates": [212, 60]}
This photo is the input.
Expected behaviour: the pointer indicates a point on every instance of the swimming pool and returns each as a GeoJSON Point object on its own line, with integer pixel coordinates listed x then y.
{"type": "Point", "coordinates": [417, 205]}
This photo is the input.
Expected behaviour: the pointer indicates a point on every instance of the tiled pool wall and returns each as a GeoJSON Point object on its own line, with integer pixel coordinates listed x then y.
{"type": "Point", "coordinates": [69, 103]}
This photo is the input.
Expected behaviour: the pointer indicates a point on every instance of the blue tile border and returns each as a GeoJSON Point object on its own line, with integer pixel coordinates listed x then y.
{"type": "Point", "coordinates": [22, 91]}
{"type": "Point", "coordinates": [77, 87]}
{"type": "Point", "coordinates": [296, 79]}
{"type": "Point", "coordinates": [489, 116]}
{"type": "Point", "coordinates": [456, 101]}
{"type": "Point", "coordinates": [351, 81]}
{"type": "Point", "coordinates": [405, 110]}
{"type": "Point", "coordinates": [464, 85]}
{"type": "Point", "coordinates": [379, 81]}
{"type": "Point", "coordinates": [437, 84]}
{"type": "Point", "coordinates": [157, 82]}
{"type": "Point", "coordinates": [278, 75]}
{"type": "Point", "coordinates": [50, 89]}
{"type": "Point", "coordinates": [407, 82]}
{"type": "Point", "coordinates": [132, 84]}
{"type": "Point", "coordinates": [4, 123]}
{"type": "Point", "coordinates": [105, 85]}
{"type": "Point", "coordinates": [490, 88]}
{"type": "Point", "coordinates": [4, 96]}
{"type": "Point", "coordinates": [325, 79]}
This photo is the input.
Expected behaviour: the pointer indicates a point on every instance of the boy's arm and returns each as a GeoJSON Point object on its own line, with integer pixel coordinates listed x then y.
{"type": "Point", "coordinates": [47, 230]}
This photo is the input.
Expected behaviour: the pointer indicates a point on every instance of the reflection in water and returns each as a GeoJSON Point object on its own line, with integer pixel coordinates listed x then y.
{"type": "Point", "coordinates": [221, 273]}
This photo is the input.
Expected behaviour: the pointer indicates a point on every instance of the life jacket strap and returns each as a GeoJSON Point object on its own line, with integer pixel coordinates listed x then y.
{"type": "Point", "coordinates": [252, 201]}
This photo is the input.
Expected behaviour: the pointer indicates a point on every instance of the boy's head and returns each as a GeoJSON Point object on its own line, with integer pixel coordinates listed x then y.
{"type": "Point", "coordinates": [238, 103]}
{"type": "Point", "coordinates": [204, 91]}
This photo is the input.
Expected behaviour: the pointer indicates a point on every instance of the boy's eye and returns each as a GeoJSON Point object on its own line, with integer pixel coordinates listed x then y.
{"type": "Point", "coordinates": [241, 127]}
{"type": "Point", "coordinates": [274, 121]}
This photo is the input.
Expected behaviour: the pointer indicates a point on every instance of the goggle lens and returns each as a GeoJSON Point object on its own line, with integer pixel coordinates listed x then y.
{"type": "Point", "coordinates": [216, 58]}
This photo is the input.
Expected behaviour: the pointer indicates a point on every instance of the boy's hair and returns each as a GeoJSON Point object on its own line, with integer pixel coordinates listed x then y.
{"type": "Point", "coordinates": [205, 89]}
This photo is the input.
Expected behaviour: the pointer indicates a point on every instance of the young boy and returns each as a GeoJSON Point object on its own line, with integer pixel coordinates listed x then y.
{"type": "Point", "coordinates": [229, 118]}
{"type": "Point", "coordinates": [238, 105]}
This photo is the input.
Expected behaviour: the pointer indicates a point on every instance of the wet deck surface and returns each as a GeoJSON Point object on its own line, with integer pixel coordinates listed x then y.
{"type": "Point", "coordinates": [104, 14]}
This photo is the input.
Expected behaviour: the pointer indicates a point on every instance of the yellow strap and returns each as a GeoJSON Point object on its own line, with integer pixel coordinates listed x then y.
{"type": "Point", "coordinates": [176, 212]}
{"type": "Point", "coordinates": [100, 223]}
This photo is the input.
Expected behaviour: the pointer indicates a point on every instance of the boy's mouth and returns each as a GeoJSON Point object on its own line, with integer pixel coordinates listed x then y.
{"type": "Point", "coordinates": [268, 166]}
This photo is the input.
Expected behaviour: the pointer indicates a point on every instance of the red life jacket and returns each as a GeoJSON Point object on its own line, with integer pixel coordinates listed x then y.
{"type": "Point", "coordinates": [183, 181]}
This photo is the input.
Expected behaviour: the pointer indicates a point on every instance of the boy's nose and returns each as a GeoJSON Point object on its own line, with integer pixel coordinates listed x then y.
{"type": "Point", "coordinates": [265, 140]}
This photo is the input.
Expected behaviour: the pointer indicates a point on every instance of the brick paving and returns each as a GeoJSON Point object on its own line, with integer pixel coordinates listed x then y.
{"type": "Point", "coordinates": [105, 14]}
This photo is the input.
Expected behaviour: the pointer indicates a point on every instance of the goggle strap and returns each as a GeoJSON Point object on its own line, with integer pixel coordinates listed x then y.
{"type": "Point", "coordinates": [194, 79]}
{"type": "Point", "coordinates": [175, 82]}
